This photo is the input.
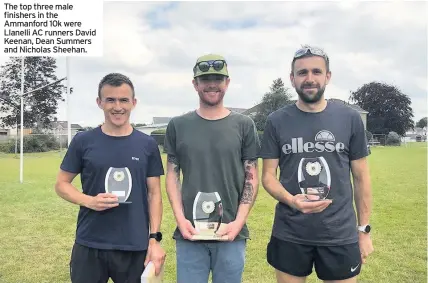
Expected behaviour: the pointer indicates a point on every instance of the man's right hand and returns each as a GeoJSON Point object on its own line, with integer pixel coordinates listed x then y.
{"type": "Point", "coordinates": [186, 228]}
{"type": "Point", "coordinates": [301, 203]}
{"type": "Point", "coordinates": [102, 201]}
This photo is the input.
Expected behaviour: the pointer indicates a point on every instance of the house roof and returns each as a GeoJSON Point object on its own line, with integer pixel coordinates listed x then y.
{"type": "Point", "coordinates": [63, 124]}
{"type": "Point", "coordinates": [161, 120]}
{"type": "Point", "coordinates": [353, 106]}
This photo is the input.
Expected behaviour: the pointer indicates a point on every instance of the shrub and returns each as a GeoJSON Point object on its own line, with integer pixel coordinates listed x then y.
{"type": "Point", "coordinates": [393, 139]}
{"type": "Point", "coordinates": [159, 138]}
{"type": "Point", "coordinates": [32, 143]}
{"type": "Point", "coordinates": [160, 131]}
{"type": "Point", "coordinates": [7, 146]}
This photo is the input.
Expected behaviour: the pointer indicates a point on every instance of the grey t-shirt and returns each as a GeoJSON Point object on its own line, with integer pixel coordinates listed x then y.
{"type": "Point", "coordinates": [331, 138]}
{"type": "Point", "coordinates": [210, 154]}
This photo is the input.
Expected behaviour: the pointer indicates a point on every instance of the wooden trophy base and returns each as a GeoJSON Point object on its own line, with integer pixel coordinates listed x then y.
{"type": "Point", "coordinates": [206, 232]}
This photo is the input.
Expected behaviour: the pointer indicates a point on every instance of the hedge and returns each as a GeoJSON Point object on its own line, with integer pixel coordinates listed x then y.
{"type": "Point", "coordinates": [35, 143]}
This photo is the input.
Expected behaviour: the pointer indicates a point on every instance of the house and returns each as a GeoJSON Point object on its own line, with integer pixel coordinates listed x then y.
{"type": "Point", "coordinates": [416, 134]}
{"type": "Point", "coordinates": [4, 134]}
{"type": "Point", "coordinates": [158, 123]}
{"type": "Point", "coordinates": [363, 113]}
{"type": "Point", "coordinates": [13, 132]}
{"type": "Point", "coordinates": [60, 128]}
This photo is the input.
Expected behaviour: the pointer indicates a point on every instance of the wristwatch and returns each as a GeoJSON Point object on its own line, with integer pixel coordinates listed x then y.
{"type": "Point", "coordinates": [157, 236]}
{"type": "Point", "coordinates": [365, 229]}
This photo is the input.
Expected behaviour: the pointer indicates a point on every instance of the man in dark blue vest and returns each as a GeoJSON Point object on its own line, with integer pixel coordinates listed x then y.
{"type": "Point", "coordinates": [118, 225]}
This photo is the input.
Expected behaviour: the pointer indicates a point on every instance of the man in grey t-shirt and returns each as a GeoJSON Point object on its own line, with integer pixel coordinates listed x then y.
{"type": "Point", "coordinates": [216, 151]}
{"type": "Point", "coordinates": [316, 144]}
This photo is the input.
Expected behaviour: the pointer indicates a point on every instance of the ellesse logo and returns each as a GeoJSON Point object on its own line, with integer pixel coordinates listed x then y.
{"type": "Point", "coordinates": [324, 141]}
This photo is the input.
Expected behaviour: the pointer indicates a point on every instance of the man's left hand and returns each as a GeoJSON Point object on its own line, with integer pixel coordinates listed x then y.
{"type": "Point", "coordinates": [231, 229]}
{"type": "Point", "coordinates": [155, 254]}
{"type": "Point", "coordinates": [366, 246]}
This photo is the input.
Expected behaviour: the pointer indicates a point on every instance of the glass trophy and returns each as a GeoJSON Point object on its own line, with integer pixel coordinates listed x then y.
{"type": "Point", "coordinates": [119, 182]}
{"type": "Point", "coordinates": [314, 178]}
{"type": "Point", "coordinates": [207, 216]}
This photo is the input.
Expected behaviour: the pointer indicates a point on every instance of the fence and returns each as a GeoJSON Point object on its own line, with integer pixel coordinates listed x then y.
{"type": "Point", "coordinates": [378, 139]}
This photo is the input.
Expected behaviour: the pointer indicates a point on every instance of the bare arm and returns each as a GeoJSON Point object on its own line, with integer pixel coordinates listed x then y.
{"type": "Point", "coordinates": [155, 203]}
{"type": "Point", "coordinates": [362, 190]}
{"type": "Point", "coordinates": [249, 193]}
{"type": "Point", "coordinates": [67, 191]}
{"type": "Point", "coordinates": [271, 183]}
{"type": "Point", "coordinates": [173, 187]}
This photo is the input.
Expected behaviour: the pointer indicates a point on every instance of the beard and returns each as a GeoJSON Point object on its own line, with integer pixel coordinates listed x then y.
{"type": "Point", "coordinates": [310, 98]}
{"type": "Point", "coordinates": [209, 100]}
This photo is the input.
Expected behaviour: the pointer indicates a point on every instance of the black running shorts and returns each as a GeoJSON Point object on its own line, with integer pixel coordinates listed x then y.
{"type": "Point", "coordinates": [331, 262]}
{"type": "Point", "coordinates": [97, 266]}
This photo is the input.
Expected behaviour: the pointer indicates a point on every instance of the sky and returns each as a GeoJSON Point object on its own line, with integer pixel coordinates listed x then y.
{"type": "Point", "coordinates": [156, 45]}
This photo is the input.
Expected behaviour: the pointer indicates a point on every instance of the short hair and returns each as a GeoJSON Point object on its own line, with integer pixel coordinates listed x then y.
{"type": "Point", "coordinates": [308, 54]}
{"type": "Point", "coordinates": [115, 79]}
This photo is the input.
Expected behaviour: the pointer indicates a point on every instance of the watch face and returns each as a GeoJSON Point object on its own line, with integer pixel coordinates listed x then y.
{"type": "Point", "coordinates": [368, 228]}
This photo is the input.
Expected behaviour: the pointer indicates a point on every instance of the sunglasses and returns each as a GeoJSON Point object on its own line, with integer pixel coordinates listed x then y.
{"type": "Point", "coordinates": [204, 66]}
{"type": "Point", "coordinates": [313, 50]}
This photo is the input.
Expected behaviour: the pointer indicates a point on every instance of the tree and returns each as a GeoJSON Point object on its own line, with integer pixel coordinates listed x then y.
{"type": "Point", "coordinates": [389, 109]}
{"type": "Point", "coordinates": [39, 106]}
{"type": "Point", "coordinates": [422, 123]}
{"type": "Point", "coordinates": [276, 98]}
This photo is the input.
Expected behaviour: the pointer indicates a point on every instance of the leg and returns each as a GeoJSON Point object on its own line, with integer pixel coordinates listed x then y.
{"type": "Point", "coordinates": [126, 266]}
{"type": "Point", "coordinates": [282, 277]}
{"type": "Point", "coordinates": [86, 265]}
{"type": "Point", "coordinates": [227, 261]}
{"type": "Point", "coordinates": [338, 263]}
{"type": "Point", "coordinates": [292, 262]}
{"type": "Point", "coordinates": [350, 280]}
{"type": "Point", "coordinates": [193, 261]}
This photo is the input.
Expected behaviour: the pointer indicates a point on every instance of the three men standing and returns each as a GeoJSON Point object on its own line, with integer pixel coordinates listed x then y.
{"type": "Point", "coordinates": [315, 143]}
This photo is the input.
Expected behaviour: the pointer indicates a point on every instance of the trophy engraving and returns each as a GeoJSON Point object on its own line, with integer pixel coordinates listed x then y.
{"type": "Point", "coordinates": [314, 178]}
{"type": "Point", "coordinates": [207, 216]}
{"type": "Point", "coordinates": [118, 181]}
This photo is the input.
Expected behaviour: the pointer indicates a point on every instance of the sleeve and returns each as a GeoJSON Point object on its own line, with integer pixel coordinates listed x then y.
{"type": "Point", "coordinates": [72, 161]}
{"type": "Point", "coordinates": [358, 145]}
{"type": "Point", "coordinates": [169, 142]}
{"type": "Point", "coordinates": [251, 142]}
{"type": "Point", "coordinates": [269, 148]}
{"type": "Point", "coordinates": [155, 167]}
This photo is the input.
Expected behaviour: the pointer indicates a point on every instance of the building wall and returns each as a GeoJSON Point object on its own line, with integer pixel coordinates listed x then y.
{"type": "Point", "coordinates": [12, 132]}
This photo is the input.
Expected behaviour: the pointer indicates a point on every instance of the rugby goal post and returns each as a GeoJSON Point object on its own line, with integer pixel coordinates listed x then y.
{"type": "Point", "coordinates": [21, 151]}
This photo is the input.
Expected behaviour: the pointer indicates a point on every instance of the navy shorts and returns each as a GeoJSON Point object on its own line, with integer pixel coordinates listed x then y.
{"type": "Point", "coordinates": [331, 262]}
{"type": "Point", "coordinates": [97, 266]}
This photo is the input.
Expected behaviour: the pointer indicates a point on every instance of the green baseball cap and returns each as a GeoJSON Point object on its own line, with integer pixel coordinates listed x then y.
{"type": "Point", "coordinates": [210, 64]}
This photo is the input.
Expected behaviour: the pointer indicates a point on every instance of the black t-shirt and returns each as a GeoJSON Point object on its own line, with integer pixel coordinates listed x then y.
{"type": "Point", "coordinates": [316, 150]}
{"type": "Point", "coordinates": [102, 159]}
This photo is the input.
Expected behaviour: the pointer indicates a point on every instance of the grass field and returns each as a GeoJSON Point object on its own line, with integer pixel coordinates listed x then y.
{"type": "Point", "coordinates": [37, 227]}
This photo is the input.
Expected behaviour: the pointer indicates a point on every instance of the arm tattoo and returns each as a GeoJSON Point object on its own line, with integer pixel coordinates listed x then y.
{"type": "Point", "coordinates": [248, 191]}
{"type": "Point", "coordinates": [176, 167]}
